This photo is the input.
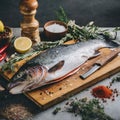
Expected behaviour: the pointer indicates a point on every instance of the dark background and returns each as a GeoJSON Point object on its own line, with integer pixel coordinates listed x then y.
{"type": "Point", "coordinates": [103, 12]}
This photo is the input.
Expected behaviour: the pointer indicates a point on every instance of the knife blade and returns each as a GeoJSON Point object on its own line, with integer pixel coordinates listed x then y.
{"type": "Point", "coordinates": [101, 62]}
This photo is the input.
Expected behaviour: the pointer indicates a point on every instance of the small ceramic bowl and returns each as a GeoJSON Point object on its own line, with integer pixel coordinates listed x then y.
{"type": "Point", "coordinates": [55, 30]}
{"type": "Point", "coordinates": [6, 36]}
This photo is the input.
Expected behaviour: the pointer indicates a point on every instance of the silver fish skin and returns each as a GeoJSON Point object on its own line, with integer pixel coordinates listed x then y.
{"type": "Point", "coordinates": [53, 65]}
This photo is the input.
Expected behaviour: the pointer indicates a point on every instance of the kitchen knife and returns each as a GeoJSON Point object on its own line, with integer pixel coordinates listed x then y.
{"type": "Point", "coordinates": [101, 62]}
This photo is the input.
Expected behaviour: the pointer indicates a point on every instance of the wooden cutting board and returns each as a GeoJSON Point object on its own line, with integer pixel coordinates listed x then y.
{"type": "Point", "coordinates": [48, 95]}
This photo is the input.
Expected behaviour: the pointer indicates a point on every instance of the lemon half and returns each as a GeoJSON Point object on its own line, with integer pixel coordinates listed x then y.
{"type": "Point", "coordinates": [22, 44]}
{"type": "Point", "coordinates": [1, 26]}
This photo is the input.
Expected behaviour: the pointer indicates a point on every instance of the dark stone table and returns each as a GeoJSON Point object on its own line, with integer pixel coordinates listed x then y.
{"type": "Point", "coordinates": [112, 108]}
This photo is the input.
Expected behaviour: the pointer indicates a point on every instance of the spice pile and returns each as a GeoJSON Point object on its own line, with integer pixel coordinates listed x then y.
{"type": "Point", "coordinates": [17, 112]}
{"type": "Point", "coordinates": [106, 92]}
{"type": "Point", "coordinates": [102, 92]}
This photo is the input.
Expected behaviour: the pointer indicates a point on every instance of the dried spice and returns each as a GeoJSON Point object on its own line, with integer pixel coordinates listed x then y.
{"type": "Point", "coordinates": [102, 92]}
{"type": "Point", "coordinates": [17, 112]}
{"type": "Point", "coordinates": [107, 91]}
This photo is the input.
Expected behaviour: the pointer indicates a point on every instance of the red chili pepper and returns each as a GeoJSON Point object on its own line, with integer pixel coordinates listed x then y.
{"type": "Point", "coordinates": [4, 48]}
{"type": "Point", "coordinates": [2, 56]}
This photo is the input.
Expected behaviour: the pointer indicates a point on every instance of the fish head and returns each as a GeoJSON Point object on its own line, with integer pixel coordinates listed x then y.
{"type": "Point", "coordinates": [27, 79]}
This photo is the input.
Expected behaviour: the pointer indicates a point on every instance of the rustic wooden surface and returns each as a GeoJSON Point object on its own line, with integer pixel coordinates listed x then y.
{"type": "Point", "coordinates": [51, 94]}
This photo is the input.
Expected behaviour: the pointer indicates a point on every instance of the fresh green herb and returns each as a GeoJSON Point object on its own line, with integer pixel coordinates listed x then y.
{"type": "Point", "coordinates": [116, 79]}
{"type": "Point", "coordinates": [90, 31]}
{"type": "Point", "coordinates": [87, 109]}
{"type": "Point", "coordinates": [56, 110]}
{"type": "Point", "coordinates": [61, 15]}
{"type": "Point", "coordinates": [10, 64]}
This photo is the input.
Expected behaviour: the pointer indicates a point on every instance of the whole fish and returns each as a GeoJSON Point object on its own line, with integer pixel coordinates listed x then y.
{"type": "Point", "coordinates": [54, 65]}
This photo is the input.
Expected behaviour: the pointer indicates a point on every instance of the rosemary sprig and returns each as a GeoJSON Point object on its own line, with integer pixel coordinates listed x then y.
{"type": "Point", "coordinates": [61, 15]}
{"type": "Point", "coordinates": [10, 64]}
{"type": "Point", "coordinates": [90, 31]}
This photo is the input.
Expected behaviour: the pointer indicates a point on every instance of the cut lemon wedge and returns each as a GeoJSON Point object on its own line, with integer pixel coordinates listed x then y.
{"type": "Point", "coordinates": [22, 44]}
{"type": "Point", "coordinates": [1, 26]}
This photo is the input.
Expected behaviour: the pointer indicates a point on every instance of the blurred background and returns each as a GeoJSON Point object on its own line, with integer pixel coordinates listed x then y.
{"type": "Point", "coordinates": [105, 13]}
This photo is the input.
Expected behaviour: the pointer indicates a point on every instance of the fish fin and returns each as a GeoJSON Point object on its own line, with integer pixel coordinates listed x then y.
{"type": "Point", "coordinates": [97, 53]}
{"type": "Point", "coordinates": [56, 67]}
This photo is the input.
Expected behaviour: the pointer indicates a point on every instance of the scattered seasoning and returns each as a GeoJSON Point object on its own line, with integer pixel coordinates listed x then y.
{"type": "Point", "coordinates": [40, 93]}
{"type": "Point", "coordinates": [102, 92]}
{"type": "Point", "coordinates": [87, 109]}
{"type": "Point", "coordinates": [5, 33]}
{"type": "Point", "coordinates": [50, 92]}
{"type": "Point", "coordinates": [60, 88]}
{"type": "Point", "coordinates": [17, 112]}
{"type": "Point", "coordinates": [56, 110]}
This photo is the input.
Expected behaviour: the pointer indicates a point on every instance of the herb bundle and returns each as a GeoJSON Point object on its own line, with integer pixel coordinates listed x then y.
{"type": "Point", "coordinates": [84, 33]}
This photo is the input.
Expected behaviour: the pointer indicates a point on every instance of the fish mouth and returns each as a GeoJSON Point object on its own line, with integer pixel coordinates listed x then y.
{"type": "Point", "coordinates": [16, 87]}
{"type": "Point", "coordinates": [13, 84]}
{"type": "Point", "coordinates": [20, 87]}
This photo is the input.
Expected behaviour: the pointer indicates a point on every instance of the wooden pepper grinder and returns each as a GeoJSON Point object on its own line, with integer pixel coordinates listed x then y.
{"type": "Point", "coordinates": [29, 25]}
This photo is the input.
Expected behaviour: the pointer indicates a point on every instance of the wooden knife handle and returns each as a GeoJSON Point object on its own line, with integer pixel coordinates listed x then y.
{"type": "Point", "coordinates": [102, 61]}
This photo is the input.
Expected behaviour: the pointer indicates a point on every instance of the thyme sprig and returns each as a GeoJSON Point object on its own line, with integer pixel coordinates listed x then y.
{"type": "Point", "coordinates": [87, 109]}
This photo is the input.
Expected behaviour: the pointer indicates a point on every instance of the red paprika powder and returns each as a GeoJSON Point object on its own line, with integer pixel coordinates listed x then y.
{"type": "Point", "coordinates": [102, 92]}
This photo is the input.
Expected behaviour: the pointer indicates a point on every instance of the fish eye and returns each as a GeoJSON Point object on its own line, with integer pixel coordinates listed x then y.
{"type": "Point", "coordinates": [19, 75]}
{"type": "Point", "coordinates": [22, 75]}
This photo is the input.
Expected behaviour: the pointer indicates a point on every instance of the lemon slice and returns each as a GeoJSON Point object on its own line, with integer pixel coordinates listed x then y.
{"type": "Point", "coordinates": [22, 44]}
{"type": "Point", "coordinates": [1, 26]}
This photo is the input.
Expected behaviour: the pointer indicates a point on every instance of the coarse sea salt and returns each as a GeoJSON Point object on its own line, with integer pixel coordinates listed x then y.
{"type": "Point", "coordinates": [55, 28]}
